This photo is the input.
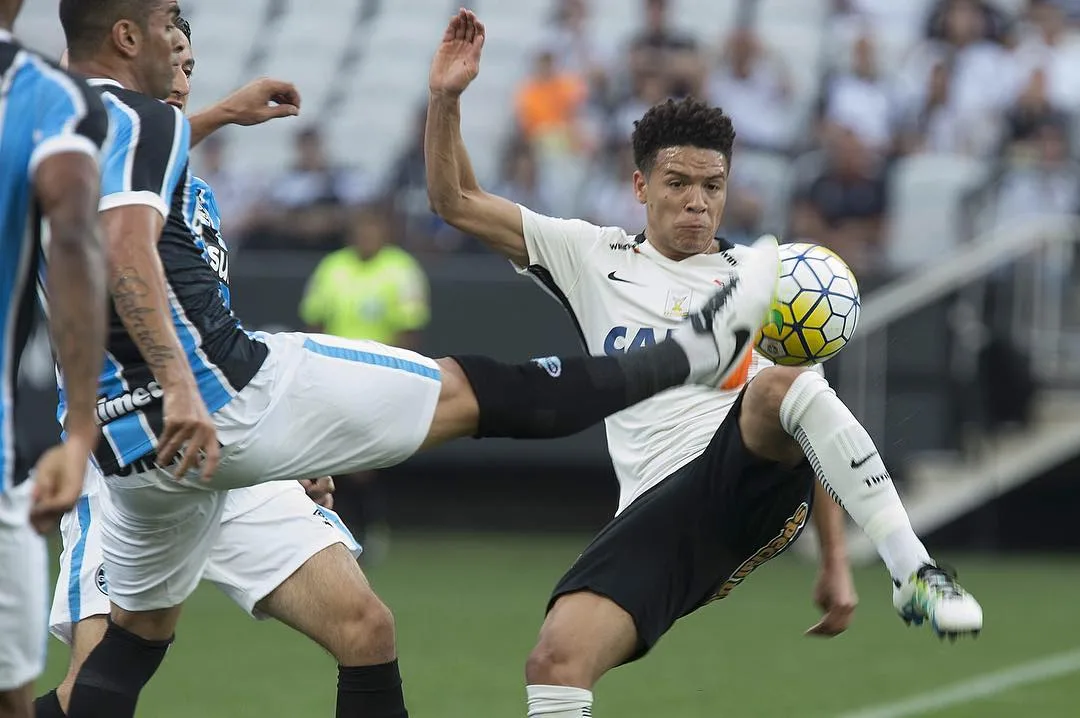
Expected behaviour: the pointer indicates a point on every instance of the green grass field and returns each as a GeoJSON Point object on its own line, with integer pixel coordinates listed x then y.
{"type": "Point", "coordinates": [468, 609]}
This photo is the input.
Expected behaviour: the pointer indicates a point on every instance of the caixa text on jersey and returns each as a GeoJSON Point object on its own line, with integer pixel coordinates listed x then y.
{"type": "Point", "coordinates": [623, 339]}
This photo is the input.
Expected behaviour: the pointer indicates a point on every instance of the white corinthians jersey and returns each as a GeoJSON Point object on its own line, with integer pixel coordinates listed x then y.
{"type": "Point", "coordinates": [623, 295]}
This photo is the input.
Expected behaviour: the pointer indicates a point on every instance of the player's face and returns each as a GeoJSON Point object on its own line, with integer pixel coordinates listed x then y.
{"type": "Point", "coordinates": [183, 65]}
{"type": "Point", "coordinates": [684, 198]}
{"type": "Point", "coordinates": [156, 57]}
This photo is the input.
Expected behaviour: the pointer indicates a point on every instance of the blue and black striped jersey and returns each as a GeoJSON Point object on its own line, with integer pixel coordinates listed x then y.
{"type": "Point", "coordinates": [147, 164]}
{"type": "Point", "coordinates": [43, 112]}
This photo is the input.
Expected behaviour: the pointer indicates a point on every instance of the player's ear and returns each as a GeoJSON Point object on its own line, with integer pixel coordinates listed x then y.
{"type": "Point", "coordinates": [127, 37]}
{"type": "Point", "coordinates": [65, 59]}
{"type": "Point", "coordinates": [641, 185]}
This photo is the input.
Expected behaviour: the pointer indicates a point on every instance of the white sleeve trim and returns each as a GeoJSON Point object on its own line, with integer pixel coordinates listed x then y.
{"type": "Point", "coordinates": [126, 199]}
{"type": "Point", "coordinates": [61, 144]}
{"type": "Point", "coordinates": [527, 218]}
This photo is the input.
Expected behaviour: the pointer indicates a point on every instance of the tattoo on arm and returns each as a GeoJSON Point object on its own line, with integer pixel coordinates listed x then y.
{"type": "Point", "coordinates": [135, 305]}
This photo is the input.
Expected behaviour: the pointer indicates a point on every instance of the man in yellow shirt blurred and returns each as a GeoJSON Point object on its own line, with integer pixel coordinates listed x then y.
{"type": "Point", "coordinates": [369, 290]}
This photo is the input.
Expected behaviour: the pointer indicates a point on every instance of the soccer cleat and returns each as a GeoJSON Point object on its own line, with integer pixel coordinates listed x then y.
{"type": "Point", "coordinates": [718, 336]}
{"type": "Point", "coordinates": [932, 594]}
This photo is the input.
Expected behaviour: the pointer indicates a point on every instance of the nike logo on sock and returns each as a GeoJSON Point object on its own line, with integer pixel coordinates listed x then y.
{"type": "Point", "coordinates": [613, 278]}
{"type": "Point", "coordinates": [856, 464]}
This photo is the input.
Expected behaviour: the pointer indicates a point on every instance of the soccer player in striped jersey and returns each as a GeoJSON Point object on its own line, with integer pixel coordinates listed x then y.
{"type": "Point", "coordinates": [291, 405]}
{"type": "Point", "coordinates": [51, 132]}
{"type": "Point", "coordinates": [278, 553]}
{"type": "Point", "coordinates": [713, 482]}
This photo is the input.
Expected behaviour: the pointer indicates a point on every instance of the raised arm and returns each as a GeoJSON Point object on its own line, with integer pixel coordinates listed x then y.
{"type": "Point", "coordinates": [452, 187]}
{"type": "Point", "coordinates": [257, 102]}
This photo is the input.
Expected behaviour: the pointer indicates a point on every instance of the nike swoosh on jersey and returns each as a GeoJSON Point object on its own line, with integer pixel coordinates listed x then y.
{"type": "Point", "coordinates": [613, 278]}
{"type": "Point", "coordinates": [857, 463]}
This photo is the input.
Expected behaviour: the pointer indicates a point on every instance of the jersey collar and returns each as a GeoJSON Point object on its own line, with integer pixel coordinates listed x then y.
{"type": "Point", "coordinates": [640, 242]}
{"type": "Point", "coordinates": [103, 82]}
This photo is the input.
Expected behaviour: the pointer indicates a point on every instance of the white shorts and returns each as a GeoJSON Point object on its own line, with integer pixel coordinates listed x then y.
{"type": "Point", "coordinates": [319, 405]}
{"type": "Point", "coordinates": [266, 533]}
{"type": "Point", "coordinates": [24, 576]}
{"type": "Point", "coordinates": [323, 405]}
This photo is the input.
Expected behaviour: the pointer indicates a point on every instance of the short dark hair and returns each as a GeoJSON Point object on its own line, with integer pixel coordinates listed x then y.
{"type": "Point", "coordinates": [184, 26]}
{"type": "Point", "coordinates": [678, 123]}
{"type": "Point", "coordinates": [88, 22]}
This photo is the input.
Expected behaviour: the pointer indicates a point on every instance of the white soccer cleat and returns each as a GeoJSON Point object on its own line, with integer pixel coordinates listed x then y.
{"type": "Point", "coordinates": [717, 337]}
{"type": "Point", "coordinates": [932, 594]}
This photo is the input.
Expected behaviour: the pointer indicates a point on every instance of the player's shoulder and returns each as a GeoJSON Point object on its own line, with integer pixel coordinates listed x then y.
{"type": "Point", "coordinates": [538, 223]}
{"type": "Point", "coordinates": [339, 258]}
{"type": "Point", "coordinates": [398, 257]}
{"type": "Point", "coordinates": [150, 114]}
{"type": "Point", "coordinates": [48, 77]}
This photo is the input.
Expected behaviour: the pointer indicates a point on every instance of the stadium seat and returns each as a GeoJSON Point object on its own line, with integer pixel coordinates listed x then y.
{"type": "Point", "coordinates": [811, 14]}
{"type": "Point", "coordinates": [710, 21]}
{"type": "Point", "coordinates": [39, 28]}
{"type": "Point", "coordinates": [802, 50]}
{"type": "Point", "coordinates": [770, 175]}
{"type": "Point", "coordinates": [924, 200]}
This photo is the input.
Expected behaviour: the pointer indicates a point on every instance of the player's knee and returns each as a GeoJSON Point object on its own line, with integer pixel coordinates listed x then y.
{"type": "Point", "coordinates": [759, 418]}
{"type": "Point", "coordinates": [555, 661]}
{"type": "Point", "coordinates": [365, 633]}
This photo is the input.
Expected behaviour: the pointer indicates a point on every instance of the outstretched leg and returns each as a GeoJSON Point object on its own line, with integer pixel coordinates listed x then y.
{"type": "Point", "coordinates": [559, 396]}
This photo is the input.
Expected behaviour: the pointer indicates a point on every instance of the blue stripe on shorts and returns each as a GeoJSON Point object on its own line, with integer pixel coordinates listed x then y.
{"type": "Point", "coordinates": [372, 359]}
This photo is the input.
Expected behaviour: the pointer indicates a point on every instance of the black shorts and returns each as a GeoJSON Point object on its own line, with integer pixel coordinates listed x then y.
{"type": "Point", "coordinates": [695, 536]}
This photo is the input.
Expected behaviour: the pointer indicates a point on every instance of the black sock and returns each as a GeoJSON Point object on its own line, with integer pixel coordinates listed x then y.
{"type": "Point", "coordinates": [109, 683]}
{"type": "Point", "coordinates": [370, 692]}
{"type": "Point", "coordinates": [553, 397]}
{"type": "Point", "coordinates": [48, 706]}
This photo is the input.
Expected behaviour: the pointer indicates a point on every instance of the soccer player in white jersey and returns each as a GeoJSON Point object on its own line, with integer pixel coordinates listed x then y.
{"type": "Point", "coordinates": [278, 553]}
{"type": "Point", "coordinates": [713, 482]}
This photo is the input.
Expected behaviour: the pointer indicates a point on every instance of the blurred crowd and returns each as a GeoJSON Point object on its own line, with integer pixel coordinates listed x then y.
{"type": "Point", "coordinates": [896, 79]}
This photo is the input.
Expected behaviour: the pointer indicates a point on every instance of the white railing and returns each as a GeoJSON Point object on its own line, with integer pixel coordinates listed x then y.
{"type": "Point", "coordinates": [1034, 249]}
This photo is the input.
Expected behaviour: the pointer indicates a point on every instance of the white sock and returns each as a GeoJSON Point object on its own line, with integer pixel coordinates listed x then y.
{"type": "Point", "coordinates": [559, 702]}
{"type": "Point", "coordinates": [848, 464]}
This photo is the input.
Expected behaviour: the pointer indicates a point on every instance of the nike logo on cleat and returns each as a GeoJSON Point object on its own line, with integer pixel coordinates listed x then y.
{"type": "Point", "coordinates": [742, 337]}
{"type": "Point", "coordinates": [856, 464]}
{"type": "Point", "coordinates": [613, 278]}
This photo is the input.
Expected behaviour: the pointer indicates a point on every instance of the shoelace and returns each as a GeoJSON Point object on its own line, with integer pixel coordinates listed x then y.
{"type": "Point", "coordinates": [942, 579]}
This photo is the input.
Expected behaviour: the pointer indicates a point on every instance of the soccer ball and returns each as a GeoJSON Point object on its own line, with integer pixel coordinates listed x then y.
{"type": "Point", "coordinates": [816, 308]}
